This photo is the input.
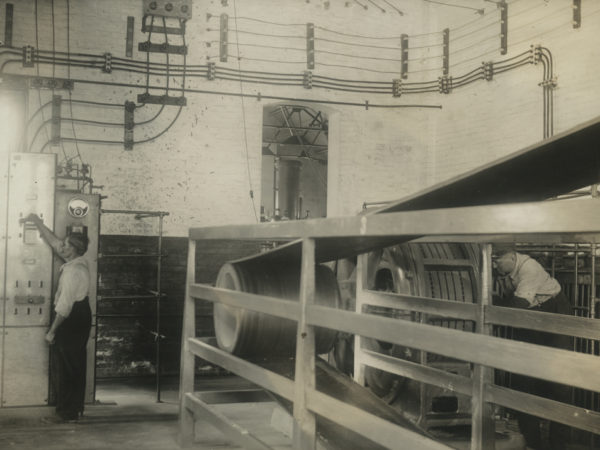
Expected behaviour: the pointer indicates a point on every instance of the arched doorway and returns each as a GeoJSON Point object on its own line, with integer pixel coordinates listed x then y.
{"type": "Point", "coordinates": [294, 162]}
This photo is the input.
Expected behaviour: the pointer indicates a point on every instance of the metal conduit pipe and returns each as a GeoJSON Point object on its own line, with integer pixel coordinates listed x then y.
{"type": "Point", "coordinates": [251, 334]}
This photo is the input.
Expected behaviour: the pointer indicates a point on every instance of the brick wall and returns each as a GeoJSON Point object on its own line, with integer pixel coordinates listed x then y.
{"type": "Point", "coordinates": [128, 325]}
{"type": "Point", "coordinates": [203, 169]}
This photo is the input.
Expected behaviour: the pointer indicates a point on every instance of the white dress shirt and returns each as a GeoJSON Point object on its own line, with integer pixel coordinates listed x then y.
{"type": "Point", "coordinates": [73, 285]}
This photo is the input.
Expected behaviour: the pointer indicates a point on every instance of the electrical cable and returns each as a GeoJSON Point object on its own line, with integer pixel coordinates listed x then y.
{"type": "Point", "coordinates": [376, 5]}
{"type": "Point", "coordinates": [388, 85]}
{"type": "Point", "coordinates": [37, 132]}
{"type": "Point", "coordinates": [166, 53]}
{"type": "Point", "coordinates": [321, 77]}
{"type": "Point", "coordinates": [251, 192]}
{"type": "Point", "coordinates": [456, 38]}
{"type": "Point", "coordinates": [219, 77]}
{"type": "Point", "coordinates": [87, 102]}
{"type": "Point", "coordinates": [267, 35]}
{"type": "Point", "coordinates": [360, 68]}
{"type": "Point", "coordinates": [454, 6]}
{"type": "Point", "coordinates": [333, 41]}
{"type": "Point", "coordinates": [37, 111]}
{"type": "Point", "coordinates": [251, 19]}
{"type": "Point", "coordinates": [460, 63]}
{"type": "Point", "coordinates": [270, 46]}
{"type": "Point", "coordinates": [69, 77]}
{"type": "Point", "coordinates": [237, 38]}
{"type": "Point", "coordinates": [163, 131]}
{"type": "Point", "coordinates": [433, 69]}
{"type": "Point", "coordinates": [362, 36]}
{"type": "Point", "coordinates": [37, 68]}
{"type": "Point", "coordinates": [262, 96]}
{"type": "Point", "coordinates": [355, 56]}
{"type": "Point", "coordinates": [398, 10]}
{"type": "Point", "coordinates": [479, 42]}
{"type": "Point", "coordinates": [239, 58]}
{"type": "Point", "coordinates": [7, 62]}
{"type": "Point", "coordinates": [359, 3]}
{"type": "Point", "coordinates": [516, 28]}
{"type": "Point", "coordinates": [92, 122]}
{"type": "Point", "coordinates": [425, 58]}
{"type": "Point", "coordinates": [363, 91]}
{"type": "Point", "coordinates": [256, 71]}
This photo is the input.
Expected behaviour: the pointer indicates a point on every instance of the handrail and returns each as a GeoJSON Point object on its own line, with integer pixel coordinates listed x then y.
{"type": "Point", "coordinates": [545, 220]}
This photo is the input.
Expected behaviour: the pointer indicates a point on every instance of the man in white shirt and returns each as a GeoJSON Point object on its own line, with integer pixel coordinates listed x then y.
{"type": "Point", "coordinates": [72, 322]}
{"type": "Point", "coordinates": [524, 283]}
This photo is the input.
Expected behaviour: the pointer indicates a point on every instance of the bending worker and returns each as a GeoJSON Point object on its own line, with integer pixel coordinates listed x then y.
{"type": "Point", "coordinates": [72, 323]}
{"type": "Point", "coordinates": [524, 283]}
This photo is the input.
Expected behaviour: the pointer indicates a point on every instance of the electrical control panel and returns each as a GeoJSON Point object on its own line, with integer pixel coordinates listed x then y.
{"type": "Point", "coordinates": [29, 258]}
{"type": "Point", "coordinates": [26, 277]}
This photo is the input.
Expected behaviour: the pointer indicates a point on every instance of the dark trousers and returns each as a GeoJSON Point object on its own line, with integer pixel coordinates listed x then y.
{"type": "Point", "coordinates": [528, 424]}
{"type": "Point", "coordinates": [69, 360]}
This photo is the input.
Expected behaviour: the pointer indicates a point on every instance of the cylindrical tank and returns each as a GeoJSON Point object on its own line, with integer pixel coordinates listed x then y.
{"type": "Point", "coordinates": [289, 187]}
{"type": "Point", "coordinates": [251, 334]}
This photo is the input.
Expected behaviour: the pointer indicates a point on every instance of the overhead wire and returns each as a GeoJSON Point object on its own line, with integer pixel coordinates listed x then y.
{"type": "Point", "coordinates": [266, 34]}
{"type": "Point", "coordinates": [251, 193]}
{"type": "Point", "coordinates": [453, 5]}
{"type": "Point", "coordinates": [252, 19]}
{"type": "Point", "coordinates": [376, 5]}
{"type": "Point", "coordinates": [37, 67]}
{"type": "Point", "coordinates": [394, 7]}
{"type": "Point", "coordinates": [69, 77]}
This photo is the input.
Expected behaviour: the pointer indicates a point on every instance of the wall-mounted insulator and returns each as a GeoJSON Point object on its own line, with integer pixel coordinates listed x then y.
{"type": "Point", "coordinates": [212, 71]}
{"type": "Point", "coordinates": [488, 70]}
{"type": "Point", "coordinates": [8, 25]}
{"type": "Point", "coordinates": [445, 84]}
{"type": "Point", "coordinates": [397, 87]}
{"type": "Point", "coordinates": [446, 54]}
{"type": "Point", "coordinates": [536, 54]}
{"type": "Point", "coordinates": [56, 106]}
{"type": "Point", "coordinates": [503, 27]}
{"type": "Point", "coordinates": [180, 9]}
{"type": "Point", "coordinates": [107, 68]}
{"type": "Point", "coordinates": [551, 83]}
{"type": "Point", "coordinates": [128, 125]}
{"type": "Point", "coordinates": [310, 45]}
{"type": "Point", "coordinates": [129, 37]}
{"type": "Point", "coordinates": [404, 56]}
{"type": "Point", "coordinates": [224, 36]}
{"type": "Point", "coordinates": [576, 13]}
{"type": "Point", "coordinates": [28, 56]}
{"type": "Point", "coordinates": [307, 79]}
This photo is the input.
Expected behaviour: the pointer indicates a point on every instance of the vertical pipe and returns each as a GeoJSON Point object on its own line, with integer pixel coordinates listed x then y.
{"type": "Point", "coordinates": [187, 365]}
{"type": "Point", "coordinates": [276, 212]}
{"type": "Point", "coordinates": [593, 280]}
{"type": "Point", "coordinates": [304, 433]}
{"type": "Point", "coordinates": [158, 297]}
{"type": "Point", "coordinates": [482, 431]}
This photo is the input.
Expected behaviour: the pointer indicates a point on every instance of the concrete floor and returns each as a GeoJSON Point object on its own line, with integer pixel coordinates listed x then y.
{"type": "Point", "coordinates": [127, 416]}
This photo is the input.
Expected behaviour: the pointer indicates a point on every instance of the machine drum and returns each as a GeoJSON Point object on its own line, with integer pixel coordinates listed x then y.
{"type": "Point", "coordinates": [251, 334]}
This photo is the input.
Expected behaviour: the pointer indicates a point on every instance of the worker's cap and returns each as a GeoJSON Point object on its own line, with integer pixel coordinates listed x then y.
{"type": "Point", "coordinates": [79, 242]}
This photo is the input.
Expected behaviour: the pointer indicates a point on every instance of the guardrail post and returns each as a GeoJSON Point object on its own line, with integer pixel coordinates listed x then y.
{"type": "Point", "coordinates": [482, 432]}
{"type": "Point", "coordinates": [187, 367]}
{"type": "Point", "coordinates": [304, 421]}
{"type": "Point", "coordinates": [361, 284]}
